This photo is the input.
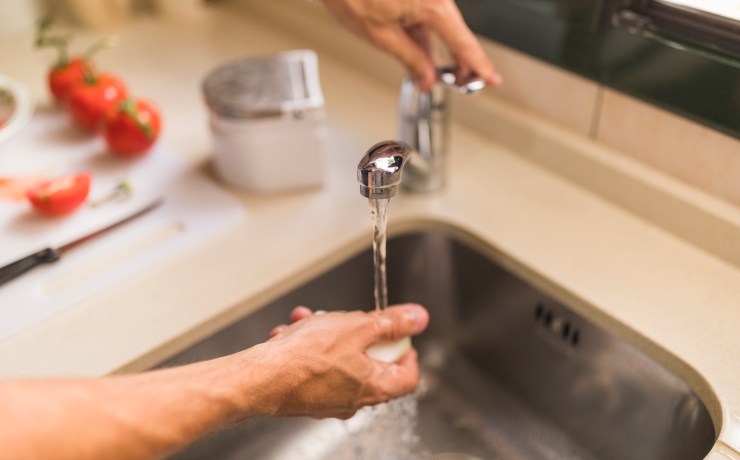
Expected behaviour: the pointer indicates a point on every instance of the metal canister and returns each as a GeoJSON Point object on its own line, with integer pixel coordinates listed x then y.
{"type": "Point", "coordinates": [267, 119]}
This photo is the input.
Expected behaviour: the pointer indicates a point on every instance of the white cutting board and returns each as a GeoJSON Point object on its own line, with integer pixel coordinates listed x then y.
{"type": "Point", "coordinates": [194, 209]}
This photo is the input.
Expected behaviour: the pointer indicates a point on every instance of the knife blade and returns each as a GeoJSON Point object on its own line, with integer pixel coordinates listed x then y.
{"type": "Point", "coordinates": [51, 255]}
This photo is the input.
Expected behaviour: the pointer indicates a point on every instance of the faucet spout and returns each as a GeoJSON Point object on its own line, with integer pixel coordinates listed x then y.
{"type": "Point", "coordinates": [379, 171]}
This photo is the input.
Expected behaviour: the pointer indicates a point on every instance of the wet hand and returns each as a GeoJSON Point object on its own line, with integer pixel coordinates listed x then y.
{"type": "Point", "coordinates": [322, 366]}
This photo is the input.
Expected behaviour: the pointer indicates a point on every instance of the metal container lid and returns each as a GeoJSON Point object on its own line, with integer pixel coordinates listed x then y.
{"type": "Point", "coordinates": [265, 86]}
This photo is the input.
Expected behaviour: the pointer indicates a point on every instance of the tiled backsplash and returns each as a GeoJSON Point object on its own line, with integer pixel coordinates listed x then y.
{"type": "Point", "coordinates": [544, 88]}
{"type": "Point", "coordinates": [698, 155]}
{"type": "Point", "coordinates": [691, 152]}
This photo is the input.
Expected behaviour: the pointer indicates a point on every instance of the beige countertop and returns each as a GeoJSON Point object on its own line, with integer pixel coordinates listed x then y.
{"type": "Point", "coordinates": [670, 299]}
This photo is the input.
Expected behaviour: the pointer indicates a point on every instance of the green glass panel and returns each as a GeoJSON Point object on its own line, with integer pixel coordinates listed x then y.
{"type": "Point", "coordinates": [577, 35]}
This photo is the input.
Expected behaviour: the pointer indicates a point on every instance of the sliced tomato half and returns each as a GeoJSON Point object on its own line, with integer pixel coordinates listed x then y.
{"type": "Point", "coordinates": [61, 196]}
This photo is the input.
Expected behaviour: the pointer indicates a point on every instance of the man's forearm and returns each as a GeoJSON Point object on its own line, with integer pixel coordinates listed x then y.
{"type": "Point", "coordinates": [315, 367]}
{"type": "Point", "coordinates": [143, 416]}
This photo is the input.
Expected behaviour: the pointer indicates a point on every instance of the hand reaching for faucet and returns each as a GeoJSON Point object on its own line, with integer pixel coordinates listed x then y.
{"type": "Point", "coordinates": [402, 28]}
{"type": "Point", "coordinates": [325, 368]}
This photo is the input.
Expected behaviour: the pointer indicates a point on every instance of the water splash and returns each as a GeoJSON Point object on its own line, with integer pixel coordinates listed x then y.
{"type": "Point", "coordinates": [384, 432]}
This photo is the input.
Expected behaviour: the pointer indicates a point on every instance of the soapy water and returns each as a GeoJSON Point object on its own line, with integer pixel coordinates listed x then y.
{"type": "Point", "coordinates": [383, 432]}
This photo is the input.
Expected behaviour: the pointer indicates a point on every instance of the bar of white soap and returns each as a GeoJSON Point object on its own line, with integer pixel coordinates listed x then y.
{"type": "Point", "coordinates": [389, 352]}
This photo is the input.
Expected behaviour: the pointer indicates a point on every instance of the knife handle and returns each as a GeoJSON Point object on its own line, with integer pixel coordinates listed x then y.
{"type": "Point", "coordinates": [19, 267]}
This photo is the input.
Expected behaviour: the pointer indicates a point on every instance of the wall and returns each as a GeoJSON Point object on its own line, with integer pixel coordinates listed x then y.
{"type": "Point", "coordinates": [697, 155]}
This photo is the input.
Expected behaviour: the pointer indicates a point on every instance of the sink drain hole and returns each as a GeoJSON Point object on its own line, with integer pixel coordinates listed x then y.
{"type": "Point", "coordinates": [557, 325]}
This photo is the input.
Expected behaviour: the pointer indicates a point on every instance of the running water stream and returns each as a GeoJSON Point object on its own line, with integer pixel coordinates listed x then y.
{"type": "Point", "coordinates": [378, 211]}
{"type": "Point", "coordinates": [389, 431]}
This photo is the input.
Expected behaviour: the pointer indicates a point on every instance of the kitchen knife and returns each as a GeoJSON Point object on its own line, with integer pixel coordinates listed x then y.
{"type": "Point", "coordinates": [51, 255]}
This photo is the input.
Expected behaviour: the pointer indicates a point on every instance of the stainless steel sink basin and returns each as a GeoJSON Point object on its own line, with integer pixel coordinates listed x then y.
{"type": "Point", "coordinates": [510, 373]}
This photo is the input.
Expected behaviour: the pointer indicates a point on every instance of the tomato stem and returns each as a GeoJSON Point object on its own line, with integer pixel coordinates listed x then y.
{"type": "Point", "coordinates": [89, 76]}
{"type": "Point", "coordinates": [110, 41]}
{"type": "Point", "coordinates": [60, 42]}
{"type": "Point", "coordinates": [122, 190]}
{"type": "Point", "coordinates": [128, 107]}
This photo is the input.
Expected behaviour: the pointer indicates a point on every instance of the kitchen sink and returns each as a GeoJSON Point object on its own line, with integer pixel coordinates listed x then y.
{"type": "Point", "coordinates": [508, 372]}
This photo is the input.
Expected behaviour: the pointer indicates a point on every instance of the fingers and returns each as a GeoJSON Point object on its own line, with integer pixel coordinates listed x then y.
{"type": "Point", "coordinates": [445, 19]}
{"type": "Point", "coordinates": [392, 381]}
{"type": "Point", "coordinates": [396, 41]}
{"type": "Point", "coordinates": [296, 315]}
{"type": "Point", "coordinates": [398, 379]}
{"type": "Point", "coordinates": [395, 26]}
{"type": "Point", "coordinates": [400, 321]}
{"type": "Point", "coordinates": [299, 313]}
{"type": "Point", "coordinates": [406, 374]}
{"type": "Point", "coordinates": [420, 34]}
{"type": "Point", "coordinates": [278, 330]}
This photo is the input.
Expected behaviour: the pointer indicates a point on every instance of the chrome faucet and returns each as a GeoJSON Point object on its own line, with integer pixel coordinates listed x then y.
{"type": "Point", "coordinates": [379, 171]}
{"type": "Point", "coordinates": [423, 133]}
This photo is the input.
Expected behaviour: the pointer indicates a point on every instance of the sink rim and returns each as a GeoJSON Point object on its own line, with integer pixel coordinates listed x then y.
{"type": "Point", "coordinates": [407, 225]}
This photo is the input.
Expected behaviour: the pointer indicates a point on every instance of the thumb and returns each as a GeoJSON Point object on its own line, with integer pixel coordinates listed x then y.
{"type": "Point", "coordinates": [400, 321]}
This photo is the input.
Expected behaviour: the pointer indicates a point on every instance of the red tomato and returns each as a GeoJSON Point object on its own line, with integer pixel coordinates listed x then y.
{"type": "Point", "coordinates": [90, 101]}
{"type": "Point", "coordinates": [61, 196]}
{"type": "Point", "coordinates": [133, 127]}
{"type": "Point", "coordinates": [64, 78]}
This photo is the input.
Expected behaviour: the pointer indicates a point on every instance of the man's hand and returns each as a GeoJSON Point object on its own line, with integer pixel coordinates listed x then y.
{"type": "Point", "coordinates": [402, 27]}
{"type": "Point", "coordinates": [320, 368]}
{"type": "Point", "coordinates": [315, 367]}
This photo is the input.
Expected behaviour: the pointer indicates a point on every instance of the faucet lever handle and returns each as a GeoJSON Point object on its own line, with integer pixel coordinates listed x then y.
{"type": "Point", "coordinates": [469, 85]}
